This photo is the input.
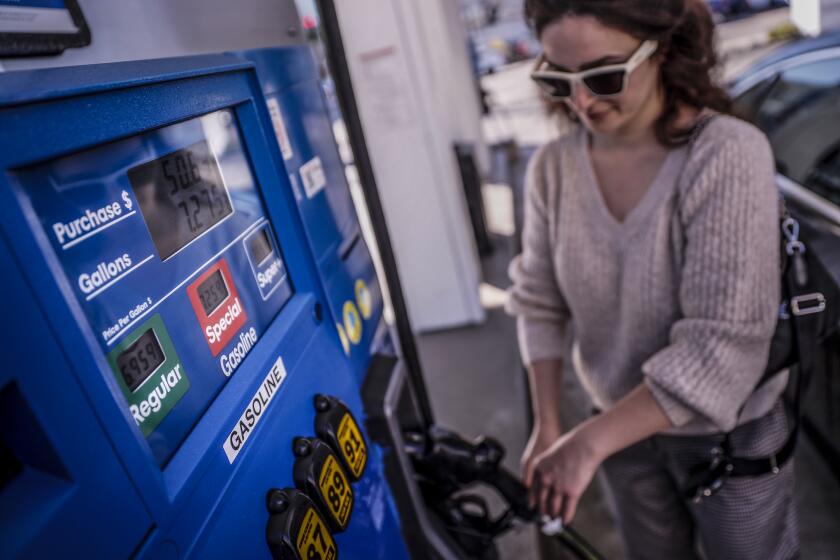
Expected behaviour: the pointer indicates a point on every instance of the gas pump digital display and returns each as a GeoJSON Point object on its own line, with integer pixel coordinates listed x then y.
{"type": "Point", "coordinates": [181, 195]}
{"type": "Point", "coordinates": [212, 292]}
{"type": "Point", "coordinates": [260, 247]}
{"type": "Point", "coordinates": [137, 362]}
{"type": "Point", "coordinates": [170, 253]}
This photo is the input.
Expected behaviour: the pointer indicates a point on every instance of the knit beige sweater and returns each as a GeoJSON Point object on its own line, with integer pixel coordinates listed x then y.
{"type": "Point", "coordinates": [682, 295]}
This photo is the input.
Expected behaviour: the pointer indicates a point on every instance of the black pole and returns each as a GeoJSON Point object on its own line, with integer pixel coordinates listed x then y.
{"type": "Point", "coordinates": [337, 61]}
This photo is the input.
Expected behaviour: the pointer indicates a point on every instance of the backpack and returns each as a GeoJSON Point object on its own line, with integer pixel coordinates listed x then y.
{"type": "Point", "coordinates": [794, 343]}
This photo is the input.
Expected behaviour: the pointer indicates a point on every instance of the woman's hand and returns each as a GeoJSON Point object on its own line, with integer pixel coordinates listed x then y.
{"type": "Point", "coordinates": [563, 471]}
{"type": "Point", "coordinates": [543, 435]}
{"type": "Point", "coordinates": [561, 474]}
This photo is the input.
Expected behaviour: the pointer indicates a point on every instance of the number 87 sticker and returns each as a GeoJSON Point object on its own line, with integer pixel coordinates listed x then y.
{"type": "Point", "coordinates": [295, 530]}
{"type": "Point", "coordinates": [314, 541]}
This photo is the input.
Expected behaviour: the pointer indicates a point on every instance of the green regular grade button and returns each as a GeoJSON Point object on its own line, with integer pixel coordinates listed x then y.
{"type": "Point", "coordinates": [149, 373]}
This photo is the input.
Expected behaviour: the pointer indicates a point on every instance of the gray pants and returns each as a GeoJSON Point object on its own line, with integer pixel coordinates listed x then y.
{"type": "Point", "coordinates": [749, 518]}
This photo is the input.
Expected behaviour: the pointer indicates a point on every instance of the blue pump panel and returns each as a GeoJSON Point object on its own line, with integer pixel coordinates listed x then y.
{"type": "Point", "coordinates": [135, 224]}
{"type": "Point", "coordinates": [169, 336]}
{"type": "Point", "coordinates": [302, 130]}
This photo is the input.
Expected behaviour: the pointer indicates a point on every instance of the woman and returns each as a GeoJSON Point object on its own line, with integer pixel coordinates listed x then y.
{"type": "Point", "coordinates": [651, 228]}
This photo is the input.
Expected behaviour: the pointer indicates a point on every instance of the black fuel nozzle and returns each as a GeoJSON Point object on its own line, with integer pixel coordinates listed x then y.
{"type": "Point", "coordinates": [465, 461]}
{"type": "Point", "coordinates": [447, 464]}
{"type": "Point", "coordinates": [450, 463]}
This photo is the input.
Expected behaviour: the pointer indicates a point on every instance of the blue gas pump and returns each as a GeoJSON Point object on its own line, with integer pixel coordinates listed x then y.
{"type": "Point", "coordinates": [196, 360]}
{"type": "Point", "coordinates": [170, 328]}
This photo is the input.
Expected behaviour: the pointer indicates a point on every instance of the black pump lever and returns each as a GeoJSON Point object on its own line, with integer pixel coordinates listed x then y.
{"type": "Point", "coordinates": [446, 464]}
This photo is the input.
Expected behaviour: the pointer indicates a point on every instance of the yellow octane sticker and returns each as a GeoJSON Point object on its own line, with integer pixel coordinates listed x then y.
{"type": "Point", "coordinates": [352, 445]}
{"type": "Point", "coordinates": [363, 299]}
{"type": "Point", "coordinates": [352, 322]}
{"type": "Point", "coordinates": [345, 343]}
{"type": "Point", "coordinates": [335, 488]}
{"type": "Point", "coordinates": [314, 540]}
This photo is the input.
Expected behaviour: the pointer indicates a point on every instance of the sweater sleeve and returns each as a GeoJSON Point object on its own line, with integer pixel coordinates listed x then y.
{"type": "Point", "coordinates": [729, 284]}
{"type": "Point", "coordinates": [535, 297]}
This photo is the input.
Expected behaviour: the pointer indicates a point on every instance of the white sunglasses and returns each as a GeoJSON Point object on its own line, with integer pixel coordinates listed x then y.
{"type": "Point", "coordinates": [604, 81]}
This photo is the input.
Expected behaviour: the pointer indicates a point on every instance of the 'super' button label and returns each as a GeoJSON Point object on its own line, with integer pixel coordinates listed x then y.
{"type": "Point", "coordinates": [266, 260]}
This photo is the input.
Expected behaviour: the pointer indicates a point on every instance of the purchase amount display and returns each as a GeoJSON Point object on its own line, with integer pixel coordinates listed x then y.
{"type": "Point", "coordinates": [181, 195]}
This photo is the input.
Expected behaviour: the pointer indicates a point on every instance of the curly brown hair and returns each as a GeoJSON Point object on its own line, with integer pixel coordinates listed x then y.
{"type": "Point", "coordinates": [685, 32]}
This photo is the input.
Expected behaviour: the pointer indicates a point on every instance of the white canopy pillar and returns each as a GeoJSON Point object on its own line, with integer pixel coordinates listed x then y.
{"type": "Point", "coordinates": [411, 75]}
{"type": "Point", "coordinates": [814, 17]}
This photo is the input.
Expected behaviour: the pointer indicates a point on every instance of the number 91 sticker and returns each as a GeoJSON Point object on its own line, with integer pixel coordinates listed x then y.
{"type": "Point", "coordinates": [352, 446]}
{"type": "Point", "coordinates": [314, 541]}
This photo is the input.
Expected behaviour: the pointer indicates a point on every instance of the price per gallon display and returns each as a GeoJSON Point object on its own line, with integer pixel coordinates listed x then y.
{"type": "Point", "coordinates": [140, 360]}
{"type": "Point", "coordinates": [260, 246]}
{"type": "Point", "coordinates": [213, 292]}
{"type": "Point", "coordinates": [181, 195]}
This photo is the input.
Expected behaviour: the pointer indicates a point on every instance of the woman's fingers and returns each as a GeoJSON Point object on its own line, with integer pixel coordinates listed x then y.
{"type": "Point", "coordinates": [569, 508]}
{"type": "Point", "coordinates": [546, 491]}
{"type": "Point", "coordinates": [557, 501]}
{"type": "Point", "coordinates": [548, 496]}
{"type": "Point", "coordinates": [533, 489]}
{"type": "Point", "coordinates": [558, 476]}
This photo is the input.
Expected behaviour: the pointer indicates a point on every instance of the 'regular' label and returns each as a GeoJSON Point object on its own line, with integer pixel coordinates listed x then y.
{"type": "Point", "coordinates": [149, 373]}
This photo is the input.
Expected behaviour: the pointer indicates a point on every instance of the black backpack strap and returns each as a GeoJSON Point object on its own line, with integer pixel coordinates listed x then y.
{"type": "Point", "coordinates": [804, 305]}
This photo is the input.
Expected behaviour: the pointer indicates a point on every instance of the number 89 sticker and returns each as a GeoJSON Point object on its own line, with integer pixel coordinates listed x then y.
{"type": "Point", "coordinates": [314, 541]}
{"type": "Point", "coordinates": [351, 445]}
{"type": "Point", "coordinates": [335, 488]}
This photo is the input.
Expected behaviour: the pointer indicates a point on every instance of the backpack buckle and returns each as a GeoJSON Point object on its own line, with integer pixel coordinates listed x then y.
{"type": "Point", "coordinates": [807, 304]}
{"type": "Point", "coordinates": [707, 479]}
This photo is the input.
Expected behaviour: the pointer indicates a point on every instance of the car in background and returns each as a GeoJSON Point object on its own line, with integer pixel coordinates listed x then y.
{"type": "Point", "coordinates": [758, 5]}
{"type": "Point", "coordinates": [793, 95]}
{"type": "Point", "coordinates": [728, 8]}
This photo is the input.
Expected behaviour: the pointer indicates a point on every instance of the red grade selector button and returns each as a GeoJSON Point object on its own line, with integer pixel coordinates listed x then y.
{"type": "Point", "coordinates": [217, 305]}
